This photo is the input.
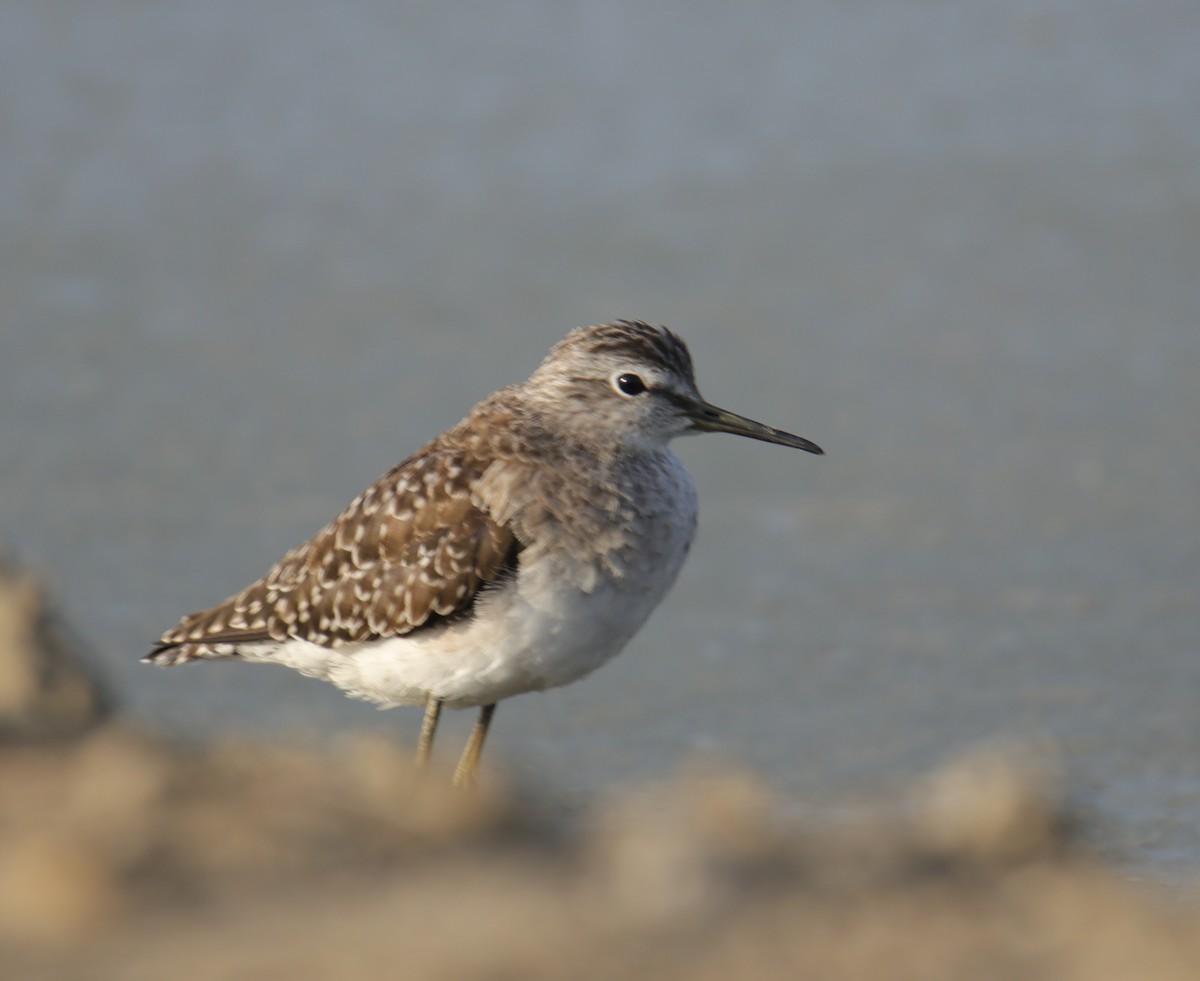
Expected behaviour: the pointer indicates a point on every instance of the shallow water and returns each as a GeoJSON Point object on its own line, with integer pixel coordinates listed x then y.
{"type": "Point", "coordinates": [252, 257]}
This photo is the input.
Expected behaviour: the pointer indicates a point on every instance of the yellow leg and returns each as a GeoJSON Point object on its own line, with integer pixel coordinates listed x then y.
{"type": "Point", "coordinates": [468, 767]}
{"type": "Point", "coordinates": [433, 711]}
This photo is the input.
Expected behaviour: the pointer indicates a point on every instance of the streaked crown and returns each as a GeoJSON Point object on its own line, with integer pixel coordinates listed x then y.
{"type": "Point", "coordinates": [624, 341]}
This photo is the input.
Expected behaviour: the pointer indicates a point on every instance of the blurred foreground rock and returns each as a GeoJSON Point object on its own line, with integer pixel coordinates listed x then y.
{"type": "Point", "coordinates": [44, 690]}
{"type": "Point", "coordinates": [123, 857]}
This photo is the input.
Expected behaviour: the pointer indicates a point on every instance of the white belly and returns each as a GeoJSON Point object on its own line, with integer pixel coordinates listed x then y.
{"type": "Point", "coordinates": [560, 619]}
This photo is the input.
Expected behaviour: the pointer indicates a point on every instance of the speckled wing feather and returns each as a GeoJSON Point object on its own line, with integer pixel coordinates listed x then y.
{"type": "Point", "coordinates": [411, 551]}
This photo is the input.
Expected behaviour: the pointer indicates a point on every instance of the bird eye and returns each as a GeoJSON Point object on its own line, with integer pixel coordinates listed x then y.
{"type": "Point", "coordinates": [630, 384]}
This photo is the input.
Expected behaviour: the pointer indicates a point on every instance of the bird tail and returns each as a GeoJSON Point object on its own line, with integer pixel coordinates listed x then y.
{"type": "Point", "coordinates": [167, 655]}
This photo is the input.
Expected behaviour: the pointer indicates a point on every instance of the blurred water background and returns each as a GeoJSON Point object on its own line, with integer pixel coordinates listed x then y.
{"type": "Point", "coordinates": [253, 254]}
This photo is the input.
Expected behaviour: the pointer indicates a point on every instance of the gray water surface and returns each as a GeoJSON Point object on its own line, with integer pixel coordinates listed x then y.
{"type": "Point", "coordinates": [252, 255]}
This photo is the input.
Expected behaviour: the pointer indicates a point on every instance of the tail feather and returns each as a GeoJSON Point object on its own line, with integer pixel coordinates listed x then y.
{"type": "Point", "coordinates": [167, 655]}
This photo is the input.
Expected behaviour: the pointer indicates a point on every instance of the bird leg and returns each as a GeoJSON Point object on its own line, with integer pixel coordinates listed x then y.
{"type": "Point", "coordinates": [433, 711]}
{"type": "Point", "coordinates": [468, 766]}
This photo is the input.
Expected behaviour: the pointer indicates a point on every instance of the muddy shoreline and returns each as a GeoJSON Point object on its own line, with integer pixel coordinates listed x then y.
{"type": "Point", "coordinates": [126, 856]}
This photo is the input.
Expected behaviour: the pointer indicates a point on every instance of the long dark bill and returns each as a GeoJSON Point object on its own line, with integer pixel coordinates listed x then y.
{"type": "Point", "coordinates": [711, 419]}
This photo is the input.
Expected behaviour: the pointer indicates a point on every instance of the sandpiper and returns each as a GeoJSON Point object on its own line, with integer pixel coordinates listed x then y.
{"type": "Point", "coordinates": [517, 551]}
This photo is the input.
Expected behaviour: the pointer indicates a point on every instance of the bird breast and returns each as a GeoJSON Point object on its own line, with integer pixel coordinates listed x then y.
{"type": "Point", "coordinates": [572, 606]}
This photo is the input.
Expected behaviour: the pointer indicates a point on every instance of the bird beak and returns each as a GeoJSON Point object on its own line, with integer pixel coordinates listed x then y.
{"type": "Point", "coordinates": [710, 419]}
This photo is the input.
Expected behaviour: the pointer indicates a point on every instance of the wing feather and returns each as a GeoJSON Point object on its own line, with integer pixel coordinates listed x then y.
{"type": "Point", "coordinates": [412, 551]}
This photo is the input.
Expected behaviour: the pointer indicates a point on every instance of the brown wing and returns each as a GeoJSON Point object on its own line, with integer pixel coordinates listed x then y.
{"type": "Point", "coordinates": [409, 552]}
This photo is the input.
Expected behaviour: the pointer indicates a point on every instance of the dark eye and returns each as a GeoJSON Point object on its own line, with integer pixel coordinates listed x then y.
{"type": "Point", "coordinates": [630, 384]}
